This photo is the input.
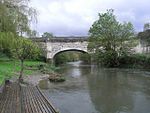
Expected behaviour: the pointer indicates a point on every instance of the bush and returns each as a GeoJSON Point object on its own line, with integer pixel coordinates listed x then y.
{"type": "Point", "coordinates": [135, 61]}
{"type": "Point", "coordinates": [110, 59]}
{"type": "Point", "coordinates": [85, 57]}
{"type": "Point", "coordinates": [47, 68]}
{"type": "Point", "coordinates": [107, 58]}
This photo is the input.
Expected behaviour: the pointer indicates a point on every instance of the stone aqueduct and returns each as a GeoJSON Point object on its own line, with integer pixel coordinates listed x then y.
{"type": "Point", "coordinates": [56, 46]}
{"type": "Point", "coordinates": [60, 44]}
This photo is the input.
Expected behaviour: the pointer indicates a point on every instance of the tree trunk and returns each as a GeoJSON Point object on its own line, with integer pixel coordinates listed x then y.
{"type": "Point", "coordinates": [21, 71]}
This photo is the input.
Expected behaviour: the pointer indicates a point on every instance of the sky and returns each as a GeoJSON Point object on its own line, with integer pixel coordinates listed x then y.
{"type": "Point", "coordinates": [75, 17]}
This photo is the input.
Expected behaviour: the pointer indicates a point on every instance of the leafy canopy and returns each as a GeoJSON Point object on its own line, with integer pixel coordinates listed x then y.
{"type": "Point", "coordinates": [47, 35]}
{"type": "Point", "coordinates": [24, 49]}
{"type": "Point", "coordinates": [109, 38]}
{"type": "Point", "coordinates": [16, 16]}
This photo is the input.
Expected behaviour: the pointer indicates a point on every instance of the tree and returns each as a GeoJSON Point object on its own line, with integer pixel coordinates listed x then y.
{"type": "Point", "coordinates": [23, 49]}
{"type": "Point", "coordinates": [19, 48]}
{"type": "Point", "coordinates": [85, 57]}
{"type": "Point", "coordinates": [146, 26]}
{"type": "Point", "coordinates": [110, 39]}
{"type": "Point", "coordinates": [33, 34]}
{"type": "Point", "coordinates": [15, 19]}
{"type": "Point", "coordinates": [6, 42]}
{"type": "Point", "coordinates": [47, 35]}
{"type": "Point", "coordinates": [16, 16]}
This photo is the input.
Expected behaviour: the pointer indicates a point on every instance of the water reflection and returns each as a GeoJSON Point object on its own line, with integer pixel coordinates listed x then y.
{"type": "Point", "coordinates": [108, 93]}
{"type": "Point", "coordinates": [100, 90]}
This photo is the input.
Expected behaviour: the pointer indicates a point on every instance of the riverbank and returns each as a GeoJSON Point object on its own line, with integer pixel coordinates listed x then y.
{"type": "Point", "coordinates": [34, 71]}
{"type": "Point", "coordinates": [35, 78]}
{"type": "Point", "coordinates": [10, 68]}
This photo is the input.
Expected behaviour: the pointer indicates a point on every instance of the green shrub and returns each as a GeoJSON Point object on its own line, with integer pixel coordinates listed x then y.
{"type": "Point", "coordinates": [85, 57]}
{"type": "Point", "coordinates": [135, 61]}
{"type": "Point", "coordinates": [107, 58]}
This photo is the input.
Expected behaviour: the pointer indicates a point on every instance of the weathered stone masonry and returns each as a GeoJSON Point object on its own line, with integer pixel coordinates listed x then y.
{"type": "Point", "coordinates": [53, 46]}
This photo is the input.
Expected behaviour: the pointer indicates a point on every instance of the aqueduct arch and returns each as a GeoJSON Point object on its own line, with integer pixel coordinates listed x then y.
{"type": "Point", "coordinates": [58, 45]}
{"type": "Point", "coordinates": [69, 49]}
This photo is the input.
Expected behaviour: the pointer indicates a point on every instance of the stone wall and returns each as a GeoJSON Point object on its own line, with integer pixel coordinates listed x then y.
{"type": "Point", "coordinates": [55, 47]}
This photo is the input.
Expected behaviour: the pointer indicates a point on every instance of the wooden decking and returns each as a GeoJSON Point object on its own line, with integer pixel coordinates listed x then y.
{"type": "Point", "coordinates": [24, 99]}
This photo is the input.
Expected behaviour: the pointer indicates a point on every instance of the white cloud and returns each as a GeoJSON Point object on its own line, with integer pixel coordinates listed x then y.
{"type": "Point", "coordinates": [74, 17]}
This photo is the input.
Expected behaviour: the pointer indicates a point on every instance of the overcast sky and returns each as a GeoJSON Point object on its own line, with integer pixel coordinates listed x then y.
{"type": "Point", "coordinates": [75, 17]}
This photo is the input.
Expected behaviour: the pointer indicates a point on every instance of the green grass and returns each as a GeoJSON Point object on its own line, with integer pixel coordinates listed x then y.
{"type": "Point", "coordinates": [9, 68]}
{"type": "Point", "coordinates": [6, 69]}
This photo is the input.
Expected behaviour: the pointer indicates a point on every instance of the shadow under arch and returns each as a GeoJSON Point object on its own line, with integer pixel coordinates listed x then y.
{"type": "Point", "coordinates": [67, 50]}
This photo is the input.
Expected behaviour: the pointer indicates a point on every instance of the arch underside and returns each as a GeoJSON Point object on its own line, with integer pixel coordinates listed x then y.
{"type": "Point", "coordinates": [68, 49]}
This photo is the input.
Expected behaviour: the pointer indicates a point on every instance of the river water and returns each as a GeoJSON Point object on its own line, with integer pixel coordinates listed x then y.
{"type": "Point", "coordinates": [89, 89]}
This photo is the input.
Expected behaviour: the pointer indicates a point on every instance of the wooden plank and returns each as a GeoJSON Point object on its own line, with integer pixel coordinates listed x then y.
{"type": "Point", "coordinates": [37, 103]}
{"type": "Point", "coordinates": [24, 103]}
{"type": "Point", "coordinates": [24, 99]}
{"type": "Point", "coordinates": [5, 101]}
{"type": "Point", "coordinates": [32, 100]}
{"type": "Point", "coordinates": [42, 104]}
{"type": "Point", "coordinates": [10, 100]}
{"type": "Point", "coordinates": [47, 101]}
{"type": "Point", "coordinates": [28, 102]}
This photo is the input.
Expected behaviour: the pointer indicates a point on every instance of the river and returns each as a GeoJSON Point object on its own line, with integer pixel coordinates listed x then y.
{"type": "Point", "coordinates": [89, 89]}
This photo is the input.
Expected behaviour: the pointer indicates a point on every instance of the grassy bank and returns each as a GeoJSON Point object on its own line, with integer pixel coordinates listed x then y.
{"type": "Point", "coordinates": [9, 68]}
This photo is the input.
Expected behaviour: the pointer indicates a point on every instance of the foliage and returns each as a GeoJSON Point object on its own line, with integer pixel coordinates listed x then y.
{"type": "Point", "coordinates": [15, 19]}
{"type": "Point", "coordinates": [16, 16]}
{"type": "Point", "coordinates": [47, 35]}
{"type": "Point", "coordinates": [48, 68]}
{"type": "Point", "coordinates": [6, 42]}
{"type": "Point", "coordinates": [18, 47]}
{"type": "Point", "coordinates": [135, 61]}
{"type": "Point", "coordinates": [85, 57]}
{"type": "Point", "coordinates": [71, 56]}
{"type": "Point", "coordinates": [9, 68]}
{"type": "Point", "coordinates": [68, 56]}
{"type": "Point", "coordinates": [61, 58]}
{"type": "Point", "coordinates": [33, 33]}
{"type": "Point", "coordinates": [23, 49]}
{"type": "Point", "coordinates": [146, 26]}
{"type": "Point", "coordinates": [110, 39]}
